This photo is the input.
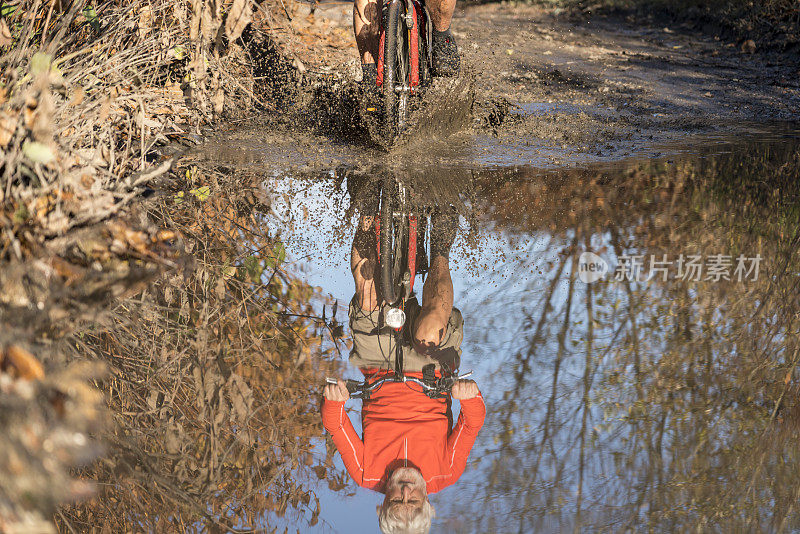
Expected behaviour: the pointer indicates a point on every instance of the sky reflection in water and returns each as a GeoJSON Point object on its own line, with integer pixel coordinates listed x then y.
{"type": "Point", "coordinates": [620, 403]}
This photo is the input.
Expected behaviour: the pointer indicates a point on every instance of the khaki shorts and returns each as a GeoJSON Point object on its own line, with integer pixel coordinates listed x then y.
{"type": "Point", "coordinates": [374, 342]}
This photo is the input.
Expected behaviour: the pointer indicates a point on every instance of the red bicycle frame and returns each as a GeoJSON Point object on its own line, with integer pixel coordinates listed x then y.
{"type": "Point", "coordinates": [419, 21]}
{"type": "Point", "coordinates": [412, 245]}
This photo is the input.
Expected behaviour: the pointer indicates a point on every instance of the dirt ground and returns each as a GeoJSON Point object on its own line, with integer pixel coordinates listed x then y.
{"type": "Point", "coordinates": [594, 85]}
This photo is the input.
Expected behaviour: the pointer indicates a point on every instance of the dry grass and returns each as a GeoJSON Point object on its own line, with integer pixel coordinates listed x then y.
{"type": "Point", "coordinates": [214, 380]}
{"type": "Point", "coordinates": [90, 94]}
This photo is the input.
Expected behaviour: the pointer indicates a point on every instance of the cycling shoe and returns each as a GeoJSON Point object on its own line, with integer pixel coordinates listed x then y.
{"type": "Point", "coordinates": [446, 58]}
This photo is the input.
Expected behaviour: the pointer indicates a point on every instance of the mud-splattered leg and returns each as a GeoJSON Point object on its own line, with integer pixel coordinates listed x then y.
{"type": "Point", "coordinates": [362, 264]}
{"type": "Point", "coordinates": [437, 303]}
{"type": "Point", "coordinates": [441, 13]}
{"type": "Point", "coordinates": [437, 293]}
{"type": "Point", "coordinates": [365, 26]}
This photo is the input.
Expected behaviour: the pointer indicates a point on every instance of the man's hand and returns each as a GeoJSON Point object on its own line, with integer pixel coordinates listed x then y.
{"type": "Point", "coordinates": [338, 392]}
{"type": "Point", "coordinates": [464, 389]}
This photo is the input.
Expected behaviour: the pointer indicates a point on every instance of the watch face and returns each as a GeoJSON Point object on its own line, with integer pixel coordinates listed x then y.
{"type": "Point", "coordinates": [395, 317]}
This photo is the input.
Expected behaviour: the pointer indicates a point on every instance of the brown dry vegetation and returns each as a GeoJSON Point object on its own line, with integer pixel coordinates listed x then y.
{"type": "Point", "coordinates": [90, 94]}
{"type": "Point", "coordinates": [211, 372]}
{"type": "Point", "coordinates": [213, 384]}
{"type": "Point", "coordinates": [209, 375]}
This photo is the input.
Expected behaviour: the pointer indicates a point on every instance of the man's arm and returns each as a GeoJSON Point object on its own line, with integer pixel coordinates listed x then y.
{"type": "Point", "coordinates": [470, 421]}
{"type": "Point", "coordinates": [338, 424]}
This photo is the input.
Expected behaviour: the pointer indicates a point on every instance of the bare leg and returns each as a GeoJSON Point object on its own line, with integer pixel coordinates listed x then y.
{"type": "Point", "coordinates": [363, 266]}
{"type": "Point", "coordinates": [437, 304]}
{"type": "Point", "coordinates": [441, 13]}
{"type": "Point", "coordinates": [365, 25]}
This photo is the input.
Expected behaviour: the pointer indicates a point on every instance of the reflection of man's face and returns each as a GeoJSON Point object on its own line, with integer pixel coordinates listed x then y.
{"type": "Point", "coordinates": [405, 493]}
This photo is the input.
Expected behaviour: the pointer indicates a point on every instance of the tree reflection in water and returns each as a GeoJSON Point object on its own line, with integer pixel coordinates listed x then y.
{"type": "Point", "coordinates": [643, 404]}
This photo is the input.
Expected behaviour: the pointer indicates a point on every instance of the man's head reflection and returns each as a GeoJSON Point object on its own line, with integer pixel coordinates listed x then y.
{"type": "Point", "coordinates": [409, 448]}
{"type": "Point", "coordinates": [405, 507]}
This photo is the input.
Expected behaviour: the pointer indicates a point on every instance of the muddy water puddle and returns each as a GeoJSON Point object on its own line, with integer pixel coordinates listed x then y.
{"type": "Point", "coordinates": [631, 324]}
{"type": "Point", "coordinates": [632, 327]}
{"type": "Point", "coordinates": [546, 136]}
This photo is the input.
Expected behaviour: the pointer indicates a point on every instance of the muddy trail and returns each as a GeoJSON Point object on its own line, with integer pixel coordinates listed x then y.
{"type": "Point", "coordinates": [556, 86]}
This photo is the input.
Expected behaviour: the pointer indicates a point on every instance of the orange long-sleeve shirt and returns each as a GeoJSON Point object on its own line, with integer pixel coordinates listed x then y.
{"type": "Point", "coordinates": [405, 427]}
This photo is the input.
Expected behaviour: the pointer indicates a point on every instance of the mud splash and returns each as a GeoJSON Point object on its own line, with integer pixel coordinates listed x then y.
{"type": "Point", "coordinates": [601, 85]}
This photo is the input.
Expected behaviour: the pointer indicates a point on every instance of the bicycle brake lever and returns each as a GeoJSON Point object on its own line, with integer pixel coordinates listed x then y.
{"type": "Point", "coordinates": [352, 386]}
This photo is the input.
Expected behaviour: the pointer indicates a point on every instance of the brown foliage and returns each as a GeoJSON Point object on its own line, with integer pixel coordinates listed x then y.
{"type": "Point", "coordinates": [46, 423]}
{"type": "Point", "coordinates": [214, 382]}
{"type": "Point", "coordinates": [91, 96]}
{"type": "Point", "coordinates": [211, 381]}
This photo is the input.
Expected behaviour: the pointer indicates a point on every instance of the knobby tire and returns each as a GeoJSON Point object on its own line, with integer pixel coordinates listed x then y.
{"type": "Point", "coordinates": [390, 71]}
{"type": "Point", "coordinates": [387, 211]}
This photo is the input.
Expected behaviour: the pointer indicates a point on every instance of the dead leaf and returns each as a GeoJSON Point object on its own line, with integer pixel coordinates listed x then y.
{"type": "Point", "coordinates": [210, 20]}
{"type": "Point", "coordinates": [166, 235]}
{"type": "Point", "coordinates": [42, 205]}
{"type": "Point", "coordinates": [219, 289]}
{"type": "Point", "coordinates": [20, 363]}
{"type": "Point", "coordinates": [77, 97]}
{"type": "Point", "coordinates": [29, 111]}
{"type": "Point", "coordinates": [38, 152]}
{"type": "Point", "coordinates": [239, 17]}
{"type": "Point", "coordinates": [5, 34]}
{"type": "Point", "coordinates": [219, 101]}
{"type": "Point", "coordinates": [321, 471]}
{"type": "Point", "coordinates": [8, 125]}
{"type": "Point", "coordinates": [105, 109]}
{"type": "Point", "coordinates": [145, 20]}
{"type": "Point", "coordinates": [133, 239]}
{"type": "Point", "coordinates": [66, 270]}
{"type": "Point", "coordinates": [749, 46]}
{"type": "Point", "coordinates": [194, 29]}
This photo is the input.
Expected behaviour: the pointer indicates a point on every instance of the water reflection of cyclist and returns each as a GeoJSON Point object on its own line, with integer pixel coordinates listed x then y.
{"type": "Point", "coordinates": [409, 448]}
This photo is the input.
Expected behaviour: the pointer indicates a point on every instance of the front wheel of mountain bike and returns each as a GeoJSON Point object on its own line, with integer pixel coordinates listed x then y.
{"type": "Point", "coordinates": [393, 243]}
{"type": "Point", "coordinates": [396, 68]}
{"type": "Point", "coordinates": [386, 248]}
